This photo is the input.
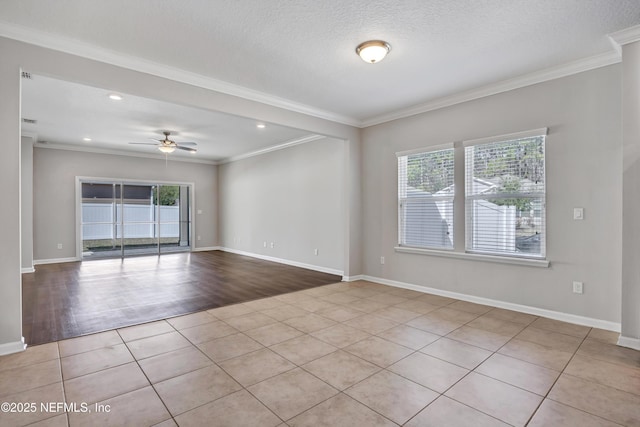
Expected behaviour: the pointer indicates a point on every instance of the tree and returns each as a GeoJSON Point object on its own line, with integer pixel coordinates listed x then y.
{"type": "Point", "coordinates": [169, 195]}
{"type": "Point", "coordinates": [430, 172]}
{"type": "Point", "coordinates": [509, 184]}
{"type": "Point", "coordinates": [510, 166]}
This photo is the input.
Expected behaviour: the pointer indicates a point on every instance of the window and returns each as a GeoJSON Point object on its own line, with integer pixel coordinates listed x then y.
{"type": "Point", "coordinates": [505, 196]}
{"type": "Point", "coordinates": [425, 199]}
{"type": "Point", "coordinates": [497, 187]}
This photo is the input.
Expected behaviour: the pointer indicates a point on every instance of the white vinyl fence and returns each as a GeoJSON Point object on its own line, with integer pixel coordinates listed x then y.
{"type": "Point", "coordinates": [494, 227]}
{"type": "Point", "coordinates": [428, 223]}
{"type": "Point", "coordinates": [140, 221]}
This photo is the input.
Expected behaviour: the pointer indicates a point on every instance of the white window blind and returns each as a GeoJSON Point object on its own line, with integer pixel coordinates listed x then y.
{"type": "Point", "coordinates": [425, 199]}
{"type": "Point", "coordinates": [505, 197]}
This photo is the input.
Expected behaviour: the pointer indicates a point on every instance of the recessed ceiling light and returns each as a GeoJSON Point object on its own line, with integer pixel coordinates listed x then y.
{"type": "Point", "coordinates": [115, 97]}
{"type": "Point", "coordinates": [86, 139]}
{"type": "Point", "coordinates": [261, 126]}
{"type": "Point", "coordinates": [373, 51]}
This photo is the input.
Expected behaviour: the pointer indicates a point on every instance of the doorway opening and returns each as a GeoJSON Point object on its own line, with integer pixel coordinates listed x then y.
{"type": "Point", "coordinates": [127, 218]}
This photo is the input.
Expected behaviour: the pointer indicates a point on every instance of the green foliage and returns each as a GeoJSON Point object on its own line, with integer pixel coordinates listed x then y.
{"type": "Point", "coordinates": [169, 194]}
{"type": "Point", "coordinates": [513, 167]}
{"type": "Point", "coordinates": [509, 165]}
{"type": "Point", "coordinates": [510, 184]}
{"type": "Point", "coordinates": [430, 172]}
{"type": "Point", "coordinates": [523, 159]}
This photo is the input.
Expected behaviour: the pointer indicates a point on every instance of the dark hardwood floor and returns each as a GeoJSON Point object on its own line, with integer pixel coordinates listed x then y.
{"type": "Point", "coordinates": [77, 298]}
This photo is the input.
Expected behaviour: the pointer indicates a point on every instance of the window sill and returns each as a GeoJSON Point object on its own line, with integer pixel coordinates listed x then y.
{"type": "Point", "coordinates": [541, 263]}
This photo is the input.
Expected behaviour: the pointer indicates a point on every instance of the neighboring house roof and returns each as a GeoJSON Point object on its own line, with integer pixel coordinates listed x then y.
{"type": "Point", "coordinates": [491, 185]}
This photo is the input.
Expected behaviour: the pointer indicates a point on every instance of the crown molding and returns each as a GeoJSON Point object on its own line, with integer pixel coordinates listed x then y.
{"type": "Point", "coordinates": [626, 36]}
{"type": "Point", "coordinates": [115, 152]}
{"type": "Point", "coordinates": [32, 135]}
{"type": "Point", "coordinates": [87, 50]}
{"type": "Point", "coordinates": [564, 70]}
{"type": "Point", "coordinates": [284, 145]}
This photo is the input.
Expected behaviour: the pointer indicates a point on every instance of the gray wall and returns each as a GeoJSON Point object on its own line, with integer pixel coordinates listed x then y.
{"type": "Point", "coordinates": [631, 188]}
{"type": "Point", "coordinates": [584, 169]}
{"type": "Point", "coordinates": [26, 175]}
{"type": "Point", "coordinates": [292, 197]}
{"type": "Point", "coordinates": [10, 246]}
{"type": "Point", "coordinates": [55, 193]}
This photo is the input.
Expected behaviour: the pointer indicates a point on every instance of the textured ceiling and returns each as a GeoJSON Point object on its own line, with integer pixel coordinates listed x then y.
{"type": "Point", "coordinates": [303, 50]}
{"type": "Point", "coordinates": [68, 112]}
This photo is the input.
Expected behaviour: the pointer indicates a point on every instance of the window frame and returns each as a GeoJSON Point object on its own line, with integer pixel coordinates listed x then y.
{"type": "Point", "coordinates": [469, 198]}
{"type": "Point", "coordinates": [403, 201]}
{"type": "Point", "coordinates": [461, 249]}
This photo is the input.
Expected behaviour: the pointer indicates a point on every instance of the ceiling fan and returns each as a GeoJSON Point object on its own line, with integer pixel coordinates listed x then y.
{"type": "Point", "coordinates": [168, 146]}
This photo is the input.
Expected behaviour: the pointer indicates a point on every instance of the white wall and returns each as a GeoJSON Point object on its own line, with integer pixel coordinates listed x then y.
{"type": "Point", "coordinates": [55, 194]}
{"type": "Point", "coordinates": [292, 197]}
{"type": "Point", "coordinates": [584, 169]}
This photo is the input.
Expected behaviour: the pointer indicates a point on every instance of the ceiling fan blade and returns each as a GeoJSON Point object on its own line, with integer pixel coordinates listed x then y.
{"type": "Point", "coordinates": [143, 143]}
{"type": "Point", "coordinates": [192, 150]}
{"type": "Point", "coordinates": [192, 144]}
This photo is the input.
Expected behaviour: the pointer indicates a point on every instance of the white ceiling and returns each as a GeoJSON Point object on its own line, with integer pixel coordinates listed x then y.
{"type": "Point", "coordinates": [303, 51]}
{"type": "Point", "coordinates": [68, 112]}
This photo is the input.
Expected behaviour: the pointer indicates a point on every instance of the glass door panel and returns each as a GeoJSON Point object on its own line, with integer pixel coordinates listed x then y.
{"type": "Point", "coordinates": [124, 219]}
{"type": "Point", "coordinates": [99, 210]}
{"type": "Point", "coordinates": [174, 218]}
{"type": "Point", "coordinates": [139, 217]}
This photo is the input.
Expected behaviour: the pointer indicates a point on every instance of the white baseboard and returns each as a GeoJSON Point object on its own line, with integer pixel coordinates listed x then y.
{"type": "Point", "coordinates": [27, 270]}
{"type": "Point", "coordinates": [207, 248]}
{"type": "Point", "coordinates": [352, 278]}
{"type": "Point", "coordinates": [12, 347]}
{"type": "Point", "coordinates": [633, 343]}
{"type": "Point", "coordinates": [557, 315]}
{"type": "Point", "coordinates": [55, 260]}
{"type": "Point", "coordinates": [285, 261]}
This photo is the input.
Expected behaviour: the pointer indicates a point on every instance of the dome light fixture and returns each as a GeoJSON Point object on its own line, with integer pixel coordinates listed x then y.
{"type": "Point", "coordinates": [167, 149]}
{"type": "Point", "coordinates": [373, 51]}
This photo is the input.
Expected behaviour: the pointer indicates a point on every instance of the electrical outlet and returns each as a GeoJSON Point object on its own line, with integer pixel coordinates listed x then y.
{"type": "Point", "coordinates": [59, 245]}
{"type": "Point", "coordinates": [199, 211]}
{"type": "Point", "coordinates": [264, 244]}
{"type": "Point", "coordinates": [577, 287]}
{"type": "Point", "coordinates": [381, 260]}
{"type": "Point", "coordinates": [315, 251]}
{"type": "Point", "coordinates": [273, 245]}
{"type": "Point", "coordinates": [198, 237]}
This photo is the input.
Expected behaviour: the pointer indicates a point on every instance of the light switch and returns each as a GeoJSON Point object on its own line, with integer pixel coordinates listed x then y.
{"type": "Point", "coordinates": [199, 211]}
{"type": "Point", "coordinates": [578, 213]}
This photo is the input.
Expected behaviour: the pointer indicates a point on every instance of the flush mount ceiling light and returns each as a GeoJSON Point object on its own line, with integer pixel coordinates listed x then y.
{"type": "Point", "coordinates": [261, 126]}
{"type": "Point", "coordinates": [115, 97]}
{"type": "Point", "coordinates": [86, 139]}
{"type": "Point", "coordinates": [373, 51]}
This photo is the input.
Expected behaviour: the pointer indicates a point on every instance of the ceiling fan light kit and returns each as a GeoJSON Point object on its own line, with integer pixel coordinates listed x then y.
{"type": "Point", "coordinates": [167, 149]}
{"type": "Point", "coordinates": [168, 146]}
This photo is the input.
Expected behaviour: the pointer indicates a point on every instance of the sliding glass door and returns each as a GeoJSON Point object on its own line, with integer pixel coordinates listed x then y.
{"type": "Point", "coordinates": [123, 219]}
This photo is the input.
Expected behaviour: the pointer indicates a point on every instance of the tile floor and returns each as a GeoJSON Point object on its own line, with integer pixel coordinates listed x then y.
{"type": "Point", "coordinates": [346, 354]}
